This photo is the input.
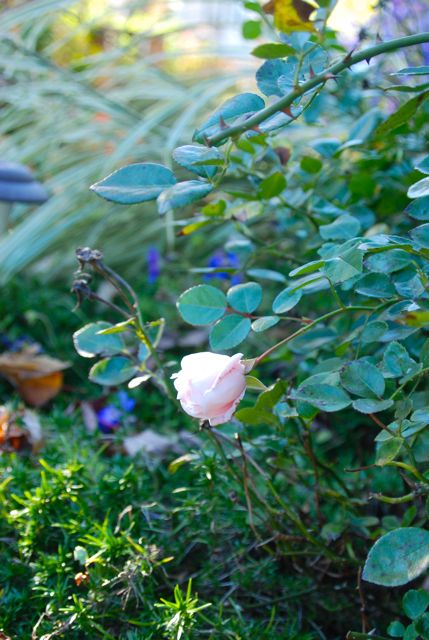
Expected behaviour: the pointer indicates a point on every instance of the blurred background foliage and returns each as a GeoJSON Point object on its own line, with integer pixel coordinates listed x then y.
{"type": "Point", "coordinates": [86, 87]}
{"type": "Point", "coordinates": [89, 86]}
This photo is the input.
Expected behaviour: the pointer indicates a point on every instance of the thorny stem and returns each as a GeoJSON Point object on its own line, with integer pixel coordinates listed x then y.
{"type": "Point", "coordinates": [292, 516]}
{"type": "Point", "coordinates": [319, 79]}
{"type": "Point", "coordinates": [416, 375]}
{"type": "Point", "coordinates": [104, 271]}
{"type": "Point", "coordinates": [94, 258]}
{"type": "Point", "coordinates": [308, 446]}
{"type": "Point", "coordinates": [299, 332]}
{"type": "Point", "coordinates": [245, 474]}
{"type": "Point", "coordinates": [393, 500]}
{"type": "Point", "coordinates": [411, 469]}
{"type": "Point", "coordinates": [353, 635]}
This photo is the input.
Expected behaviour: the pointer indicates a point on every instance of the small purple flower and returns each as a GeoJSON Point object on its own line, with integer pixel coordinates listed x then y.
{"type": "Point", "coordinates": [109, 418]}
{"type": "Point", "coordinates": [126, 402]}
{"type": "Point", "coordinates": [153, 264]}
{"type": "Point", "coordinates": [18, 344]}
{"type": "Point", "coordinates": [221, 259]}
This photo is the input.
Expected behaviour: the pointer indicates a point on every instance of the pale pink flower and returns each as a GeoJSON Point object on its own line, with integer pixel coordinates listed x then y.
{"type": "Point", "coordinates": [210, 385]}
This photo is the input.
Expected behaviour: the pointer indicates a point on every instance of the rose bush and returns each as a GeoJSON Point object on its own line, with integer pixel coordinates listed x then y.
{"type": "Point", "coordinates": [332, 307]}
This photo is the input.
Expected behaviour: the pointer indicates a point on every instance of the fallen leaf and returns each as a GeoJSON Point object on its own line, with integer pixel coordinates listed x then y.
{"type": "Point", "coordinates": [89, 416]}
{"type": "Point", "coordinates": [32, 423]}
{"type": "Point", "coordinates": [148, 441]}
{"type": "Point", "coordinates": [37, 378]}
{"type": "Point", "coordinates": [13, 436]}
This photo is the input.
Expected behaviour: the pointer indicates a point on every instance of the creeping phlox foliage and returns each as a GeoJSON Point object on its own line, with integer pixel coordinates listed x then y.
{"type": "Point", "coordinates": [332, 238]}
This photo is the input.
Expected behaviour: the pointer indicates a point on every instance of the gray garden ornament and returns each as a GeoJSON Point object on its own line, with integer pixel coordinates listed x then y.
{"type": "Point", "coordinates": [17, 184]}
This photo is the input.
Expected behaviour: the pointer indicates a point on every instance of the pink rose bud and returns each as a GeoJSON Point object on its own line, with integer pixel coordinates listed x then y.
{"type": "Point", "coordinates": [210, 386]}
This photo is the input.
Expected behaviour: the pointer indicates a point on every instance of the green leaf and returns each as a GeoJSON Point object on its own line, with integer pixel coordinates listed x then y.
{"type": "Point", "coordinates": [89, 343]}
{"type": "Point", "coordinates": [240, 106]}
{"type": "Point", "coordinates": [415, 602]}
{"type": "Point", "coordinates": [421, 628]}
{"type": "Point", "coordinates": [396, 629]}
{"type": "Point", "coordinates": [311, 165]}
{"type": "Point", "coordinates": [119, 327]}
{"type": "Point", "coordinates": [310, 267]}
{"type": "Point", "coordinates": [423, 165]}
{"type": "Point", "coordinates": [176, 464]}
{"type": "Point", "coordinates": [421, 234]}
{"type": "Point", "coordinates": [272, 186]}
{"type": "Point", "coordinates": [375, 285]}
{"type": "Point", "coordinates": [373, 331]}
{"type": "Point", "coordinates": [410, 633]}
{"type": "Point", "coordinates": [266, 274]}
{"type": "Point", "coordinates": [251, 29]}
{"type": "Point", "coordinates": [412, 71]}
{"type": "Point", "coordinates": [253, 416]}
{"type": "Point", "coordinates": [368, 405]}
{"type": "Point", "coordinates": [214, 209]}
{"type": "Point", "coordinates": [112, 371]}
{"type": "Point", "coordinates": [389, 261]}
{"type": "Point", "coordinates": [135, 183]}
{"type": "Point", "coordinates": [419, 189]}
{"type": "Point", "coordinates": [388, 450]}
{"type": "Point", "coordinates": [363, 379]}
{"type": "Point", "coordinates": [271, 396]}
{"type": "Point", "coordinates": [408, 284]}
{"type": "Point", "coordinates": [191, 156]}
{"type": "Point", "coordinates": [182, 194]}
{"type": "Point", "coordinates": [272, 50]}
{"type": "Point", "coordinates": [402, 115]}
{"type": "Point", "coordinates": [245, 297]}
{"type": "Point", "coordinates": [343, 228]}
{"type": "Point", "coordinates": [323, 396]}
{"type": "Point", "coordinates": [254, 383]}
{"type": "Point", "coordinates": [268, 75]}
{"type": "Point", "coordinates": [264, 323]}
{"type": "Point", "coordinates": [314, 339]}
{"type": "Point", "coordinates": [396, 361]}
{"type": "Point", "coordinates": [229, 332]}
{"type": "Point", "coordinates": [202, 304]}
{"type": "Point", "coordinates": [398, 557]}
{"type": "Point", "coordinates": [345, 264]}
{"type": "Point", "coordinates": [286, 300]}
{"type": "Point", "coordinates": [363, 128]}
{"type": "Point", "coordinates": [419, 208]}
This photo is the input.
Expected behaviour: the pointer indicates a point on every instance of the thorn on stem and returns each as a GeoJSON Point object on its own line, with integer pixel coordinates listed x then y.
{"type": "Point", "coordinates": [222, 123]}
{"type": "Point", "coordinates": [348, 57]}
{"type": "Point", "coordinates": [288, 112]}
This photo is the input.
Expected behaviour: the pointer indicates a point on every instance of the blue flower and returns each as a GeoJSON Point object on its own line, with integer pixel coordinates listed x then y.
{"type": "Point", "coordinates": [109, 417]}
{"type": "Point", "coordinates": [126, 402]}
{"type": "Point", "coordinates": [221, 259]}
{"type": "Point", "coordinates": [153, 258]}
{"type": "Point", "coordinates": [19, 344]}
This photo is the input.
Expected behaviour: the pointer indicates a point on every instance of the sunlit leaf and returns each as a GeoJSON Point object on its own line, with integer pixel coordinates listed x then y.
{"type": "Point", "coordinates": [291, 15]}
{"type": "Point", "coordinates": [398, 557]}
{"type": "Point", "coordinates": [135, 183]}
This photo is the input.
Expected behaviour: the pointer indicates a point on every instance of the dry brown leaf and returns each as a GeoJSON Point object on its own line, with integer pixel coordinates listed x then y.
{"type": "Point", "coordinates": [14, 437]}
{"type": "Point", "coordinates": [37, 378]}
